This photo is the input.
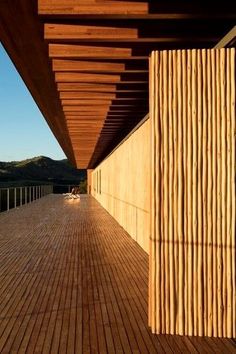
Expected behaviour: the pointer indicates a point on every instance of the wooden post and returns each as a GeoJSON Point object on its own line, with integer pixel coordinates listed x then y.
{"type": "Point", "coordinates": [89, 181]}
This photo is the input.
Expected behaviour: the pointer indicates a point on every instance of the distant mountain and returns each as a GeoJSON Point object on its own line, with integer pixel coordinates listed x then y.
{"type": "Point", "coordinates": [39, 169]}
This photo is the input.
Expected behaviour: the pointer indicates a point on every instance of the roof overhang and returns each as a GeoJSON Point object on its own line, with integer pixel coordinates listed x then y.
{"type": "Point", "coordinates": [86, 62]}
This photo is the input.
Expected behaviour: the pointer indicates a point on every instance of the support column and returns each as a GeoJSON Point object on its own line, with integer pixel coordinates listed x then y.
{"type": "Point", "coordinates": [89, 181]}
{"type": "Point", "coordinates": [192, 249]}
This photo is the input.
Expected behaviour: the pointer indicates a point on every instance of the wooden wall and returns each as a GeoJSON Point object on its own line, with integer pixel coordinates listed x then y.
{"type": "Point", "coordinates": [192, 251]}
{"type": "Point", "coordinates": [121, 183]}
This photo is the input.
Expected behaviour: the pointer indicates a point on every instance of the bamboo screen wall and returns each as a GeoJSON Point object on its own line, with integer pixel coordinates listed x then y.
{"type": "Point", "coordinates": [121, 183]}
{"type": "Point", "coordinates": [192, 253]}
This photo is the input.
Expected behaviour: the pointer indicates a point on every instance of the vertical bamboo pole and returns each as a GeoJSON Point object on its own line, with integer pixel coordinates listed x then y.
{"type": "Point", "coordinates": [201, 183]}
{"type": "Point", "coordinates": [165, 195]}
{"type": "Point", "coordinates": [170, 192]}
{"type": "Point", "coordinates": [219, 176]}
{"type": "Point", "coordinates": [214, 196]}
{"type": "Point", "coordinates": [152, 256]}
{"type": "Point", "coordinates": [209, 280]}
{"type": "Point", "coordinates": [194, 188]}
{"type": "Point", "coordinates": [204, 229]}
{"type": "Point", "coordinates": [180, 226]}
{"type": "Point", "coordinates": [153, 267]}
{"type": "Point", "coordinates": [162, 244]}
{"type": "Point", "coordinates": [175, 186]}
{"type": "Point", "coordinates": [185, 166]}
{"type": "Point", "coordinates": [228, 200]}
{"type": "Point", "coordinates": [158, 197]}
{"type": "Point", "coordinates": [223, 187]}
{"type": "Point", "coordinates": [233, 132]}
{"type": "Point", "coordinates": [189, 193]}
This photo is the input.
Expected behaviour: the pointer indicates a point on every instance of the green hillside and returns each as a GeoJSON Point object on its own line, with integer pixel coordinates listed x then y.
{"type": "Point", "coordinates": [38, 170]}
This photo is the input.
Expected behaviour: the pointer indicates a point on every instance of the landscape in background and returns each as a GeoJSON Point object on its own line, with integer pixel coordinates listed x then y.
{"type": "Point", "coordinates": [42, 170]}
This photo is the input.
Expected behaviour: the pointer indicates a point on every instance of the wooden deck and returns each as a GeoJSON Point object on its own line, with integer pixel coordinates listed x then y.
{"type": "Point", "coordinates": [73, 281]}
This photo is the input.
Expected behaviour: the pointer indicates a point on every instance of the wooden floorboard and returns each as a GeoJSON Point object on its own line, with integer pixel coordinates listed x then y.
{"type": "Point", "coordinates": [73, 281]}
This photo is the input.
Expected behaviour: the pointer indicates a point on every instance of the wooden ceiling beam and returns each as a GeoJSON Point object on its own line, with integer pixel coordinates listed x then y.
{"type": "Point", "coordinates": [92, 133]}
{"type": "Point", "coordinates": [94, 52]}
{"type": "Point", "coordinates": [89, 116]}
{"type": "Point", "coordinates": [84, 118]}
{"type": "Point", "coordinates": [89, 7]}
{"type": "Point", "coordinates": [89, 131]}
{"type": "Point", "coordinates": [98, 66]}
{"type": "Point", "coordinates": [101, 95]}
{"type": "Point", "coordinates": [90, 121]}
{"type": "Point", "coordinates": [85, 125]}
{"type": "Point", "coordinates": [84, 154]}
{"type": "Point", "coordinates": [107, 9]}
{"type": "Point", "coordinates": [81, 87]}
{"type": "Point", "coordinates": [127, 117]}
{"type": "Point", "coordinates": [89, 139]}
{"type": "Point", "coordinates": [87, 66]}
{"type": "Point", "coordinates": [86, 78]}
{"type": "Point", "coordinates": [101, 78]}
{"type": "Point", "coordinates": [89, 128]}
{"type": "Point", "coordinates": [89, 103]}
{"type": "Point", "coordinates": [77, 104]}
{"type": "Point", "coordinates": [108, 88]}
{"type": "Point", "coordinates": [102, 101]}
{"type": "Point", "coordinates": [87, 95]}
{"type": "Point", "coordinates": [69, 33]}
{"type": "Point", "coordinates": [88, 113]}
{"type": "Point", "coordinates": [80, 151]}
{"type": "Point", "coordinates": [100, 109]}
{"type": "Point", "coordinates": [79, 138]}
{"type": "Point", "coordinates": [126, 112]}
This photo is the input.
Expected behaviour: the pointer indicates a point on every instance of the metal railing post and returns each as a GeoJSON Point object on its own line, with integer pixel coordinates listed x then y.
{"type": "Point", "coordinates": [26, 196]}
{"type": "Point", "coordinates": [20, 196]}
{"type": "Point", "coordinates": [8, 197]}
{"type": "Point", "coordinates": [14, 197]}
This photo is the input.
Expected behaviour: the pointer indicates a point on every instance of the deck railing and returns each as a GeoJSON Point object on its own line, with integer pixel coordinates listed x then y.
{"type": "Point", "coordinates": [15, 197]}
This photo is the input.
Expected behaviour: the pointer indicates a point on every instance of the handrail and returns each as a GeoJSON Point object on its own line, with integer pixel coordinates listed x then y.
{"type": "Point", "coordinates": [18, 196]}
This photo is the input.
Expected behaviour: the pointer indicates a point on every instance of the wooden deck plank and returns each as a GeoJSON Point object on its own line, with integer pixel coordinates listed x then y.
{"type": "Point", "coordinates": [73, 281]}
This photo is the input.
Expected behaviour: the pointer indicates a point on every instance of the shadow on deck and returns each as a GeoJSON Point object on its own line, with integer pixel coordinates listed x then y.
{"type": "Point", "coordinates": [73, 281]}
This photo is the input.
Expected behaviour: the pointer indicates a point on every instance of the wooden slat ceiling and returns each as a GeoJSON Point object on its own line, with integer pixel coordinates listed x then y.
{"type": "Point", "coordinates": [97, 52]}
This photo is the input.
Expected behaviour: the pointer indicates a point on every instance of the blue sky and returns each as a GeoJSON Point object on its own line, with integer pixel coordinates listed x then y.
{"type": "Point", "coordinates": [24, 132]}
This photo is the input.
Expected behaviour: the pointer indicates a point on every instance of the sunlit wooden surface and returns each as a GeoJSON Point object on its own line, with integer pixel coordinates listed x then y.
{"type": "Point", "coordinates": [73, 281]}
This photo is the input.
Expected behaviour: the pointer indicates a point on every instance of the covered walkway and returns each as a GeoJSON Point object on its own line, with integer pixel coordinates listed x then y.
{"type": "Point", "coordinates": [73, 281]}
